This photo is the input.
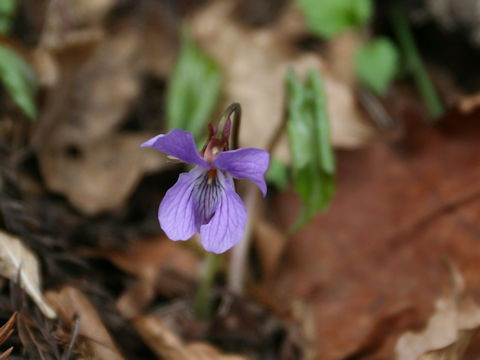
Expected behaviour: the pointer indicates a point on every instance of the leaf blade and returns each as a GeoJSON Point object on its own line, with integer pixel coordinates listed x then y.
{"type": "Point", "coordinates": [193, 89]}
{"type": "Point", "coordinates": [19, 79]}
{"type": "Point", "coordinates": [308, 133]}
{"type": "Point", "coordinates": [377, 63]}
{"type": "Point", "coordinates": [327, 18]}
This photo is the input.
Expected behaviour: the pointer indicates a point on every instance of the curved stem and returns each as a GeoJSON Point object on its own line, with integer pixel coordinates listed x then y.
{"type": "Point", "coordinates": [236, 110]}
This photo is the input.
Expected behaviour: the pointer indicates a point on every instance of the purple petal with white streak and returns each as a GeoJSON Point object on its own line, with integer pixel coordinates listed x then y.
{"type": "Point", "coordinates": [178, 143]}
{"type": "Point", "coordinates": [176, 213]}
{"type": "Point", "coordinates": [249, 163]}
{"type": "Point", "coordinates": [227, 226]}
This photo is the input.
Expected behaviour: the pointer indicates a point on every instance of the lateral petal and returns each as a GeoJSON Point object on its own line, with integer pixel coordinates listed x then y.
{"type": "Point", "coordinates": [249, 163]}
{"type": "Point", "coordinates": [176, 213]}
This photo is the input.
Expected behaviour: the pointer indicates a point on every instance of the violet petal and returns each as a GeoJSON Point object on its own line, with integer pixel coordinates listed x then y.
{"type": "Point", "coordinates": [249, 163]}
{"type": "Point", "coordinates": [176, 213]}
{"type": "Point", "coordinates": [207, 194]}
{"type": "Point", "coordinates": [178, 143]}
{"type": "Point", "coordinates": [227, 226]}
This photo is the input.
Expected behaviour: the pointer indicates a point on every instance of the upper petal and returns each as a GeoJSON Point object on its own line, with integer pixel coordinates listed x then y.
{"type": "Point", "coordinates": [247, 163]}
{"type": "Point", "coordinates": [176, 213]}
{"type": "Point", "coordinates": [227, 226]}
{"type": "Point", "coordinates": [178, 143]}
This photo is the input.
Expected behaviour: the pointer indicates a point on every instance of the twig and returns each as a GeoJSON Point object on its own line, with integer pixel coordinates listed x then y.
{"type": "Point", "coordinates": [75, 332]}
{"type": "Point", "coordinates": [239, 259]}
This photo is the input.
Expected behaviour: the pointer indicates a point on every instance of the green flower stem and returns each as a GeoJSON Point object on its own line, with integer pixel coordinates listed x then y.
{"type": "Point", "coordinates": [414, 62]}
{"type": "Point", "coordinates": [202, 306]}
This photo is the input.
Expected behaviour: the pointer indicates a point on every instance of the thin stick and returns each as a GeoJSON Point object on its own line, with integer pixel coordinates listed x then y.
{"type": "Point", "coordinates": [239, 259]}
{"type": "Point", "coordinates": [76, 329]}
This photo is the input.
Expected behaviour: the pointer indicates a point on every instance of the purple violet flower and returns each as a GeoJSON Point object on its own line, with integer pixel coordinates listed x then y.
{"type": "Point", "coordinates": [204, 199]}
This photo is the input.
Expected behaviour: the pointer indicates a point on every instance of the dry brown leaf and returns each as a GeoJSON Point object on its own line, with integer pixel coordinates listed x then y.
{"type": "Point", "coordinates": [7, 329]}
{"type": "Point", "coordinates": [70, 304]}
{"type": "Point", "coordinates": [340, 56]}
{"type": "Point", "coordinates": [166, 344]}
{"type": "Point", "coordinates": [158, 40]}
{"type": "Point", "coordinates": [153, 261]}
{"type": "Point", "coordinates": [17, 262]}
{"type": "Point", "coordinates": [85, 108]}
{"type": "Point", "coordinates": [469, 103]}
{"type": "Point", "coordinates": [101, 175]}
{"type": "Point", "coordinates": [6, 353]}
{"type": "Point", "coordinates": [270, 243]}
{"type": "Point", "coordinates": [79, 153]}
{"type": "Point", "coordinates": [65, 22]}
{"type": "Point", "coordinates": [136, 299]}
{"type": "Point", "coordinates": [255, 61]}
{"type": "Point", "coordinates": [5, 332]}
{"type": "Point", "coordinates": [303, 314]}
{"type": "Point", "coordinates": [449, 330]}
{"type": "Point", "coordinates": [145, 259]}
{"type": "Point", "coordinates": [376, 249]}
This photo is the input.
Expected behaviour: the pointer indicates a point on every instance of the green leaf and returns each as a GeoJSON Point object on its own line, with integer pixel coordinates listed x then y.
{"type": "Point", "coordinates": [414, 62]}
{"type": "Point", "coordinates": [308, 132]}
{"type": "Point", "coordinates": [327, 18]}
{"type": "Point", "coordinates": [193, 89]}
{"type": "Point", "coordinates": [19, 79]}
{"type": "Point", "coordinates": [377, 64]}
{"type": "Point", "coordinates": [277, 174]}
{"type": "Point", "coordinates": [7, 12]}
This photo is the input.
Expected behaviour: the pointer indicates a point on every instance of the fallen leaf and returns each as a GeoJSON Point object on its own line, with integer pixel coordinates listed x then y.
{"type": "Point", "coordinates": [469, 103]}
{"type": "Point", "coordinates": [161, 266]}
{"type": "Point", "coordinates": [449, 330]}
{"type": "Point", "coordinates": [255, 62]}
{"type": "Point", "coordinates": [71, 303]}
{"type": "Point", "coordinates": [84, 108]}
{"type": "Point", "coordinates": [398, 209]}
{"type": "Point", "coordinates": [166, 344]}
{"type": "Point", "coordinates": [18, 263]}
{"type": "Point", "coordinates": [80, 154]}
{"type": "Point", "coordinates": [270, 243]}
{"type": "Point", "coordinates": [5, 332]}
{"type": "Point", "coordinates": [146, 258]}
{"type": "Point", "coordinates": [101, 175]}
{"type": "Point", "coordinates": [64, 23]}
{"type": "Point", "coordinates": [135, 300]}
{"type": "Point", "coordinates": [159, 38]}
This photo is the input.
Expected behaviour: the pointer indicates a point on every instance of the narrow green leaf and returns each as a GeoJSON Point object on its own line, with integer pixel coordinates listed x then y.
{"type": "Point", "coordinates": [327, 18]}
{"type": "Point", "coordinates": [313, 160]}
{"type": "Point", "coordinates": [326, 159]}
{"type": "Point", "coordinates": [298, 126]}
{"type": "Point", "coordinates": [19, 79]}
{"type": "Point", "coordinates": [377, 64]}
{"type": "Point", "coordinates": [277, 174]}
{"type": "Point", "coordinates": [193, 89]}
{"type": "Point", "coordinates": [414, 62]}
{"type": "Point", "coordinates": [7, 12]}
